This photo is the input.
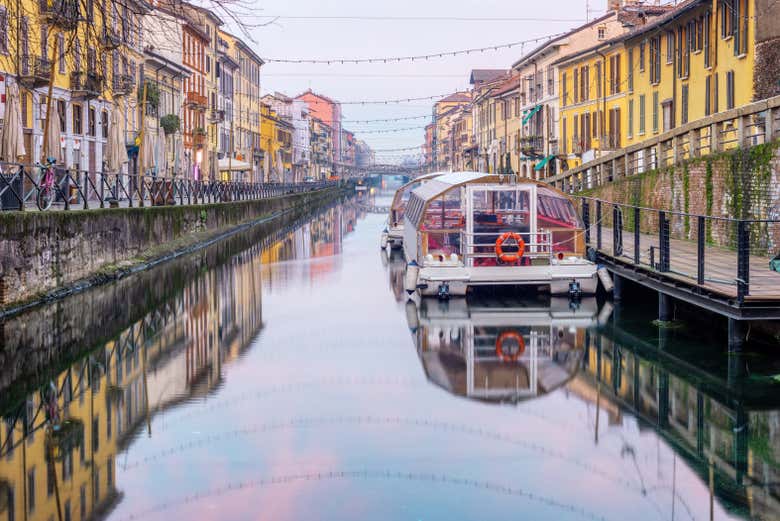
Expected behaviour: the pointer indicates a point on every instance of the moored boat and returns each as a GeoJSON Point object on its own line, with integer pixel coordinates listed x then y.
{"type": "Point", "coordinates": [466, 229]}
{"type": "Point", "coordinates": [393, 235]}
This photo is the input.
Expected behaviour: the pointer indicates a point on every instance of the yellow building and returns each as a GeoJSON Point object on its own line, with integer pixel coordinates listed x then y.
{"type": "Point", "coordinates": [593, 102]}
{"type": "Point", "coordinates": [98, 61]}
{"type": "Point", "coordinates": [246, 104]}
{"type": "Point", "coordinates": [696, 60]}
{"type": "Point", "coordinates": [276, 142]}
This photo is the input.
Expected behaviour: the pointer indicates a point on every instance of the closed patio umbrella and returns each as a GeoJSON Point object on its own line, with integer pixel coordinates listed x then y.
{"type": "Point", "coordinates": [12, 140]}
{"type": "Point", "coordinates": [147, 145]}
{"type": "Point", "coordinates": [53, 144]}
{"type": "Point", "coordinates": [117, 150]}
{"type": "Point", "coordinates": [161, 153]}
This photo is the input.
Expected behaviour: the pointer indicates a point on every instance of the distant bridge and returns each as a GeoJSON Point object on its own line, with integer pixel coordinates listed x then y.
{"type": "Point", "coordinates": [377, 170]}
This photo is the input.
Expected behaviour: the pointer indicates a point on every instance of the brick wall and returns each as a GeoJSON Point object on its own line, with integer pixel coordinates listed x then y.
{"type": "Point", "coordinates": [736, 184]}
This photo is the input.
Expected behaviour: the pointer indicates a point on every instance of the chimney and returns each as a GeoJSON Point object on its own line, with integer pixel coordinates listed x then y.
{"type": "Point", "coordinates": [614, 5]}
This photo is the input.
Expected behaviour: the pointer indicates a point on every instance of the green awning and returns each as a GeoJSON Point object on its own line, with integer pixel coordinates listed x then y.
{"type": "Point", "coordinates": [530, 114]}
{"type": "Point", "coordinates": [541, 164]}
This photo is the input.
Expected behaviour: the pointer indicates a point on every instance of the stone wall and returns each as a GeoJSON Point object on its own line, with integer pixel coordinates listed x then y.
{"type": "Point", "coordinates": [42, 251]}
{"type": "Point", "coordinates": [741, 183]}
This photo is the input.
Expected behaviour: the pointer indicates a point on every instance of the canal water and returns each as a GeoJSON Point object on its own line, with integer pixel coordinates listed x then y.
{"type": "Point", "coordinates": [283, 375]}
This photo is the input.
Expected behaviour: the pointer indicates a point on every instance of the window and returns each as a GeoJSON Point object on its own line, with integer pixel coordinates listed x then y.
{"type": "Point", "coordinates": [91, 122]}
{"type": "Point", "coordinates": [576, 81]}
{"type": "Point", "coordinates": [740, 26]}
{"type": "Point", "coordinates": [83, 501]}
{"type": "Point", "coordinates": [61, 53]}
{"type": "Point", "coordinates": [641, 114]}
{"type": "Point", "coordinates": [565, 137]}
{"type": "Point", "coordinates": [77, 119]}
{"type": "Point", "coordinates": [3, 30]}
{"type": "Point", "coordinates": [715, 93]}
{"type": "Point", "coordinates": [730, 90]}
{"type": "Point", "coordinates": [564, 90]}
{"type": "Point", "coordinates": [550, 81]}
{"type": "Point", "coordinates": [707, 95]}
{"type": "Point", "coordinates": [700, 34]}
{"type": "Point", "coordinates": [706, 39]}
{"type": "Point", "coordinates": [61, 114]}
{"type": "Point", "coordinates": [655, 60]}
{"type": "Point", "coordinates": [31, 490]}
{"type": "Point", "coordinates": [642, 57]}
{"type": "Point", "coordinates": [614, 74]}
{"type": "Point", "coordinates": [90, 10]}
{"type": "Point", "coordinates": [585, 83]}
{"type": "Point", "coordinates": [684, 105]}
{"type": "Point", "coordinates": [727, 8]}
{"type": "Point", "coordinates": [77, 55]}
{"type": "Point", "coordinates": [598, 79]}
{"type": "Point", "coordinates": [630, 68]}
{"type": "Point", "coordinates": [630, 118]}
{"type": "Point", "coordinates": [669, 47]}
{"type": "Point", "coordinates": [602, 32]}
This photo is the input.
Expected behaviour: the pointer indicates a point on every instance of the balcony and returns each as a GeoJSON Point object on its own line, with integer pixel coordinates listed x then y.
{"type": "Point", "coordinates": [532, 146]}
{"type": "Point", "coordinates": [35, 71]}
{"type": "Point", "coordinates": [86, 85]}
{"type": "Point", "coordinates": [199, 137]}
{"type": "Point", "coordinates": [196, 101]}
{"type": "Point", "coordinates": [258, 152]}
{"type": "Point", "coordinates": [110, 40]}
{"type": "Point", "coordinates": [123, 85]}
{"type": "Point", "coordinates": [62, 14]}
{"type": "Point", "coordinates": [217, 116]}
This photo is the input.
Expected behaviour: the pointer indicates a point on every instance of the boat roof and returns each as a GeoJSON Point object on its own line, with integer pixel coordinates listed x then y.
{"type": "Point", "coordinates": [445, 181]}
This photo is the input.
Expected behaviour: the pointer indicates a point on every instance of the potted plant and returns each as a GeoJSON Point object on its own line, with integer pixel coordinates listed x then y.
{"type": "Point", "coordinates": [199, 136]}
{"type": "Point", "coordinates": [152, 95]}
{"type": "Point", "coordinates": [170, 124]}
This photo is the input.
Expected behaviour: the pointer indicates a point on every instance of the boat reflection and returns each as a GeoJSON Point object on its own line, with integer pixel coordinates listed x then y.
{"type": "Point", "coordinates": [501, 350]}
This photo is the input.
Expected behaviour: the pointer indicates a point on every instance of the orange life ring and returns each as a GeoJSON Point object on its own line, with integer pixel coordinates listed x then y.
{"type": "Point", "coordinates": [508, 257]}
{"type": "Point", "coordinates": [503, 337]}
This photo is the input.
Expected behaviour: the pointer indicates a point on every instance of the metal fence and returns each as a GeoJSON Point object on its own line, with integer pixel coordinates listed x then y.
{"type": "Point", "coordinates": [729, 256]}
{"type": "Point", "coordinates": [79, 189]}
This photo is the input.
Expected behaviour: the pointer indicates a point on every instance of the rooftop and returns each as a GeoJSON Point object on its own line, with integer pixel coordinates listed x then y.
{"type": "Point", "coordinates": [484, 75]}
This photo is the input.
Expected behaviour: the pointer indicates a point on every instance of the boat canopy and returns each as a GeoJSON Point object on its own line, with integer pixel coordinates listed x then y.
{"type": "Point", "coordinates": [402, 194]}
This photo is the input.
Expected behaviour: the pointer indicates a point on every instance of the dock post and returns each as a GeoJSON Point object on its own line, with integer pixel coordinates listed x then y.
{"type": "Point", "coordinates": [736, 335]}
{"type": "Point", "coordinates": [664, 307]}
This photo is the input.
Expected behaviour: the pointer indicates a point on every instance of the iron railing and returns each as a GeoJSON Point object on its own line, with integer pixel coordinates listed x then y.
{"type": "Point", "coordinates": [79, 189]}
{"type": "Point", "coordinates": [713, 254]}
{"type": "Point", "coordinates": [749, 125]}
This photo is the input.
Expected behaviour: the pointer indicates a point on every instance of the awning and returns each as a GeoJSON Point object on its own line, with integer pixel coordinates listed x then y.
{"type": "Point", "coordinates": [234, 165]}
{"type": "Point", "coordinates": [530, 114]}
{"type": "Point", "coordinates": [541, 164]}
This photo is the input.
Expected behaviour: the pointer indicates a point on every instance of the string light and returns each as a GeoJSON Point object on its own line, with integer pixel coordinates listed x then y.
{"type": "Point", "coordinates": [398, 59]}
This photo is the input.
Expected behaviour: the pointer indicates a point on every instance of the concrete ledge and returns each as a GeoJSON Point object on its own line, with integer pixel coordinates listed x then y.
{"type": "Point", "coordinates": [46, 253]}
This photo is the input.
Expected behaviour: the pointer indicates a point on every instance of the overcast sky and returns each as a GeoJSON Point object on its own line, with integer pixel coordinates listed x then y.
{"type": "Point", "coordinates": [327, 38]}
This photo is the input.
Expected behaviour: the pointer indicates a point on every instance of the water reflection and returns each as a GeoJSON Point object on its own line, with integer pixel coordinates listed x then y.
{"type": "Point", "coordinates": [503, 350]}
{"type": "Point", "coordinates": [715, 428]}
{"type": "Point", "coordinates": [59, 444]}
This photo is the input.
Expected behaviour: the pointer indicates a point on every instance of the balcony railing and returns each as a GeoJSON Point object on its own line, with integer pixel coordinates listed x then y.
{"type": "Point", "coordinates": [123, 84]}
{"type": "Point", "coordinates": [110, 40]}
{"type": "Point", "coordinates": [35, 71]}
{"type": "Point", "coordinates": [197, 101]}
{"type": "Point", "coordinates": [217, 116]}
{"type": "Point", "coordinates": [86, 85]}
{"type": "Point", "coordinates": [63, 14]}
{"type": "Point", "coordinates": [532, 146]}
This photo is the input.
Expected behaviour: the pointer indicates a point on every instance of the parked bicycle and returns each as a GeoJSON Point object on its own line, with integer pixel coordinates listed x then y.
{"type": "Point", "coordinates": [46, 190]}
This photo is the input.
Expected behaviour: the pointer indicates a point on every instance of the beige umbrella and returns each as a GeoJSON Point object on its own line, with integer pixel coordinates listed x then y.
{"type": "Point", "coordinates": [117, 150]}
{"type": "Point", "coordinates": [147, 145]}
{"type": "Point", "coordinates": [11, 140]}
{"type": "Point", "coordinates": [161, 152]}
{"type": "Point", "coordinates": [53, 144]}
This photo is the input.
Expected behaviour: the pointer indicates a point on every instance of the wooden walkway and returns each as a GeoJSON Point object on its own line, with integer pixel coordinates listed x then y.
{"type": "Point", "coordinates": [720, 265]}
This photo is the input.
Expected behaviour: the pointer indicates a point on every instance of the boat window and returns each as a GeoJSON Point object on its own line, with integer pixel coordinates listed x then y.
{"type": "Point", "coordinates": [444, 212]}
{"type": "Point", "coordinates": [496, 211]}
{"type": "Point", "coordinates": [555, 213]}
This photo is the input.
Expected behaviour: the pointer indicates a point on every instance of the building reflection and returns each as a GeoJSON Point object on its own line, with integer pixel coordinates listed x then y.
{"type": "Point", "coordinates": [500, 350]}
{"type": "Point", "coordinates": [59, 445]}
{"type": "Point", "coordinates": [319, 242]}
{"type": "Point", "coordinates": [727, 429]}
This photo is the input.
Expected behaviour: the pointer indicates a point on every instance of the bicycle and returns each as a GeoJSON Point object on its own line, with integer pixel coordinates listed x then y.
{"type": "Point", "coordinates": [46, 190]}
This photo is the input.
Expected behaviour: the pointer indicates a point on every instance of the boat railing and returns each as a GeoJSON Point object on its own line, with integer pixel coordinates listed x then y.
{"type": "Point", "coordinates": [542, 247]}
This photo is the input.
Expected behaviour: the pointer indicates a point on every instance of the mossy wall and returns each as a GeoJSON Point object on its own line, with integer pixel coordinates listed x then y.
{"type": "Point", "coordinates": [742, 184]}
{"type": "Point", "coordinates": [42, 251]}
